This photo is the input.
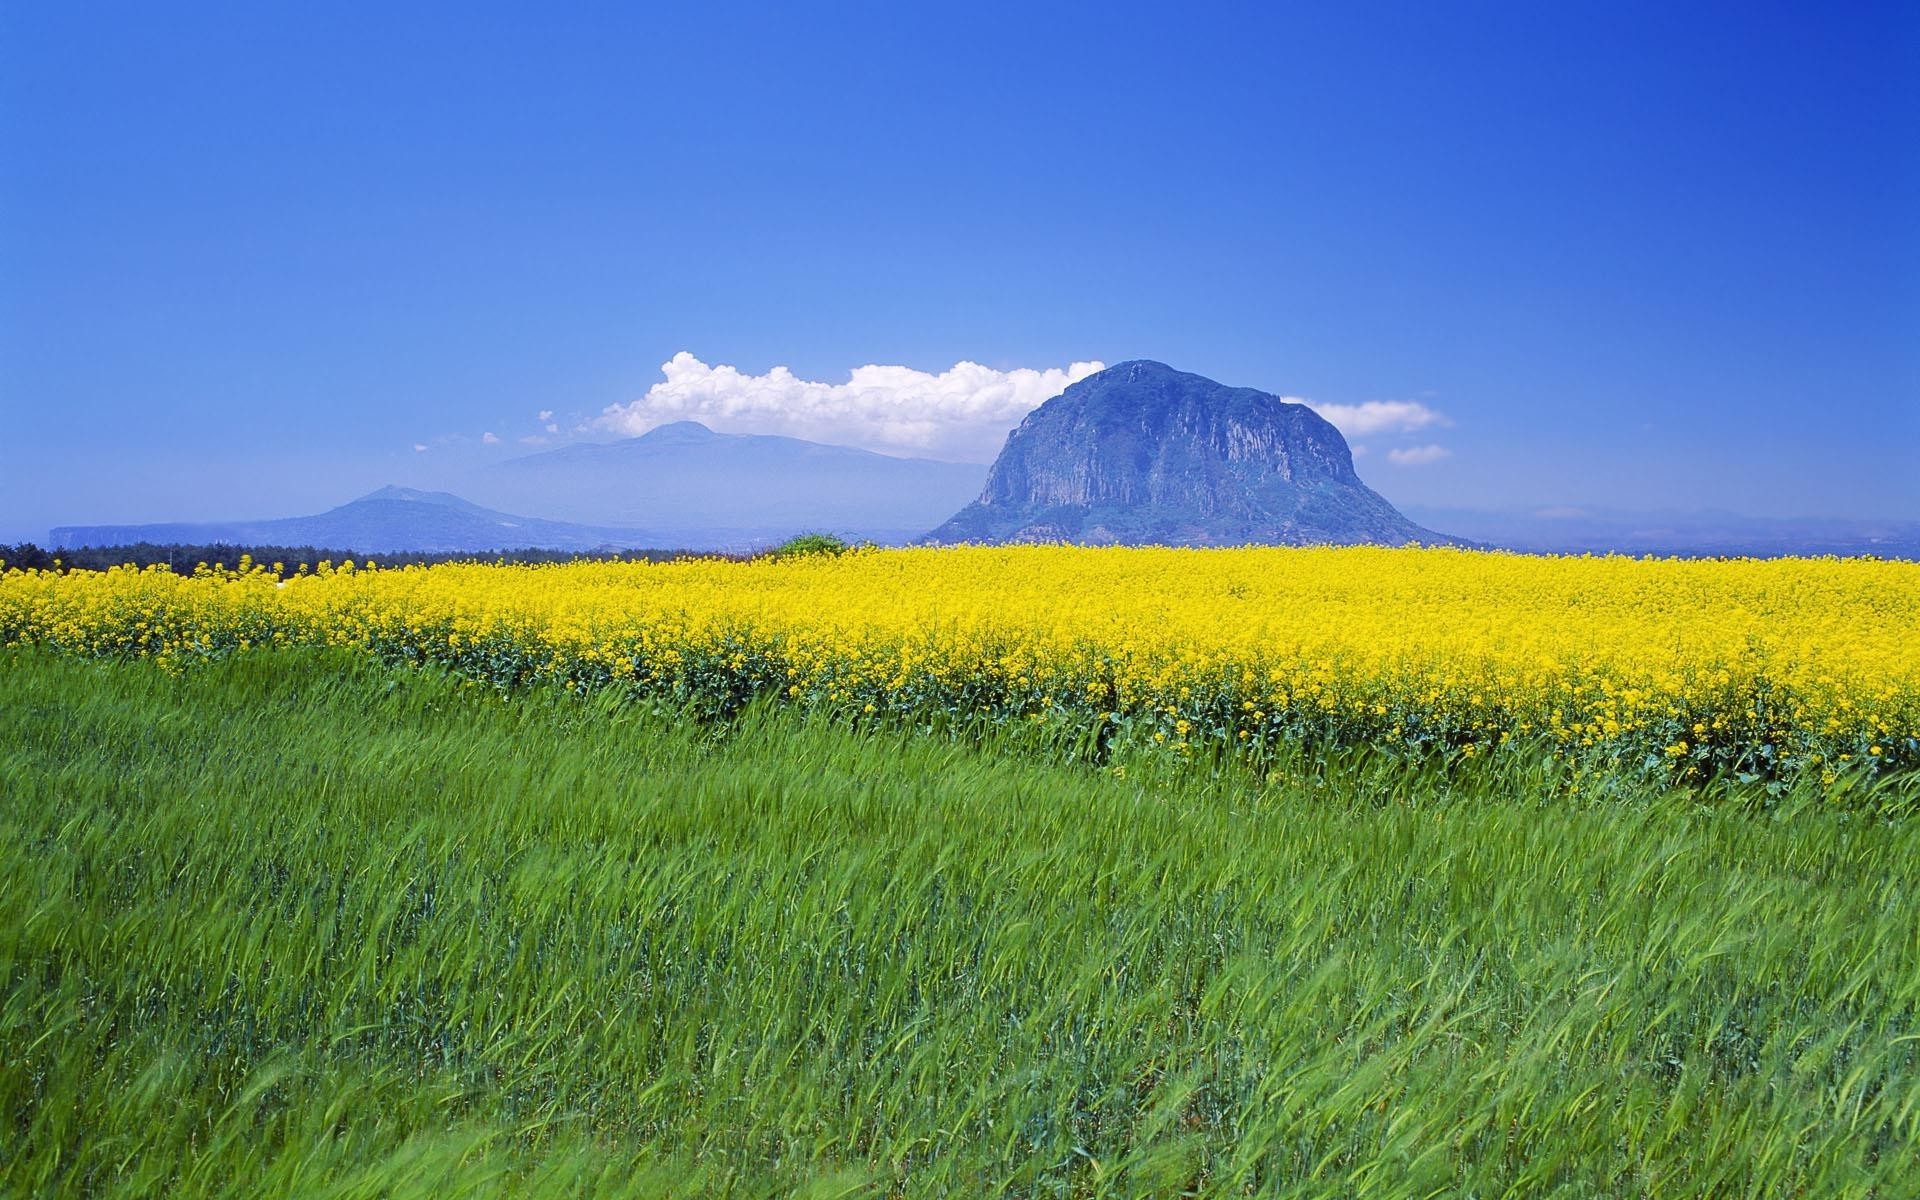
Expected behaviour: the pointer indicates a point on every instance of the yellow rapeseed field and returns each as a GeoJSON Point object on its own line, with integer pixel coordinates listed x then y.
{"type": "Point", "coordinates": [1773, 667]}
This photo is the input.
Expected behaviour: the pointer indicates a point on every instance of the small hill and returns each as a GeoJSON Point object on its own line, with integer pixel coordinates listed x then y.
{"type": "Point", "coordinates": [1144, 454]}
{"type": "Point", "coordinates": [699, 488]}
{"type": "Point", "coordinates": [391, 520]}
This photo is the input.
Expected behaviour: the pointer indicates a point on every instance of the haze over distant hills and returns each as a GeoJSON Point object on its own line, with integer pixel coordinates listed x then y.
{"type": "Point", "coordinates": [1579, 530]}
{"type": "Point", "coordinates": [1143, 454]}
{"type": "Point", "coordinates": [391, 520]}
{"type": "Point", "coordinates": [680, 486]}
{"type": "Point", "coordinates": [705, 489]}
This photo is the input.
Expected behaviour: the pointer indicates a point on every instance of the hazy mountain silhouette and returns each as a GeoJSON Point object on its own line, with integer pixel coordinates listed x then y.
{"type": "Point", "coordinates": [700, 488]}
{"type": "Point", "coordinates": [388, 521]}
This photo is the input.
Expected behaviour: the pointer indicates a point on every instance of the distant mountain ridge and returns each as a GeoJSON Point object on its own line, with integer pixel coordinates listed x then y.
{"type": "Point", "coordinates": [1143, 454]}
{"type": "Point", "coordinates": [701, 488]}
{"type": "Point", "coordinates": [678, 487]}
{"type": "Point", "coordinates": [391, 520]}
{"type": "Point", "coordinates": [1585, 530]}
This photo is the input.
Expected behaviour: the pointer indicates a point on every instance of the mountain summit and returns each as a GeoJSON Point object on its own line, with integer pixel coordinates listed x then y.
{"type": "Point", "coordinates": [1144, 454]}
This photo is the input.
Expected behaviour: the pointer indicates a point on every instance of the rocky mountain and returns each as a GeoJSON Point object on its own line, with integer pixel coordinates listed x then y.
{"type": "Point", "coordinates": [1144, 454]}
{"type": "Point", "coordinates": [392, 520]}
{"type": "Point", "coordinates": [703, 489]}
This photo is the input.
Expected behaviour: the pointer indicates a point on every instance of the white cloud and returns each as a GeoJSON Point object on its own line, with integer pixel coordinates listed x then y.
{"type": "Point", "coordinates": [552, 427]}
{"type": "Point", "coordinates": [546, 414]}
{"type": "Point", "coordinates": [962, 413]}
{"type": "Point", "coordinates": [1376, 416]}
{"type": "Point", "coordinates": [1414, 456]}
{"type": "Point", "coordinates": [1358, 450]}
{"type": "Point", "coordinates": [488, 439]}
{"type": "Point", "coordinates": [419, 447]}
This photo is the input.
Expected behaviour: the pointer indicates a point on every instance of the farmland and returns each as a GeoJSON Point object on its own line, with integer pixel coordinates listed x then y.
{"type": "Point", "coordinates": [1689, 670]}
{"type": "Point", "coordinates": [938, 873]}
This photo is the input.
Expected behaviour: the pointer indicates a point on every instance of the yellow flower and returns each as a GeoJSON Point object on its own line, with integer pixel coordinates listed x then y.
{"type": "Point", "coordinates": [1813, 656]}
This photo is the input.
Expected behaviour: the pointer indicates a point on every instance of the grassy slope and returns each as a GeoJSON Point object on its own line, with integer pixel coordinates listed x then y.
{"type": "Point", "coordinates": [292, 925]}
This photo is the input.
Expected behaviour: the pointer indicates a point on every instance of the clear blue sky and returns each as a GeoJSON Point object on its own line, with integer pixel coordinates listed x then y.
{"type": "Point", "coordinates": [1648, 255]}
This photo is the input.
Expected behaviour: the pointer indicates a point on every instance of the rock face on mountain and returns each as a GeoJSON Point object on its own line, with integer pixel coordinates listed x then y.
{"type": "Point", "coordinates": [1144, 454]}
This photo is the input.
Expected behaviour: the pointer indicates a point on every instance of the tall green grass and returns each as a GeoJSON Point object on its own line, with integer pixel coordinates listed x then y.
{"type": "Point", "coordinates": [293, 925]}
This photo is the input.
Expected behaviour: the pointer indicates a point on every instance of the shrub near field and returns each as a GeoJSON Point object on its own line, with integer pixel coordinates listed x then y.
{"type": "Point", "coordinates": [297, 925]}
{"type": "Point", "coordinates": [1772, 669]}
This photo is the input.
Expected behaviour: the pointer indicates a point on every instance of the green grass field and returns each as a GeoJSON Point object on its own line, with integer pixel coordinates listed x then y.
{"type": "Point", "coordinates": [297, 925]}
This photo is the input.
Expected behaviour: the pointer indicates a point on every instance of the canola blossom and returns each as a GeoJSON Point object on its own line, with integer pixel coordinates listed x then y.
{"type": "Point", "coordinates": [1775, 667]}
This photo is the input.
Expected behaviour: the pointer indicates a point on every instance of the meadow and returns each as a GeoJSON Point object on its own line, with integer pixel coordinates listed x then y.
{"type": "Point", "coordinates": [292, 924]}
{"type": "Point", "coordinates": [835, 878]}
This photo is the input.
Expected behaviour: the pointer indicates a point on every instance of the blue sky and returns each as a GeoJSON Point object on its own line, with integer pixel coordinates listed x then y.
{"type": "Point", "coordinates": [1646, 256]}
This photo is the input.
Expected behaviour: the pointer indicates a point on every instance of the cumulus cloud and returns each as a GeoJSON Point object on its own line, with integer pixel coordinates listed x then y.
{"type": "Point", "coordinates": [489, 439]}
{"type": "Point", "coordinates": [1414, 456]}
{"type": "Point", "coordinates": [961, 413]}
{"type": "Point", "coordinates": [1376, 416]}
{"type": "Point", "coordinates": [419, 447]}
{"type": "Point", "coordinates": [546, 414]}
